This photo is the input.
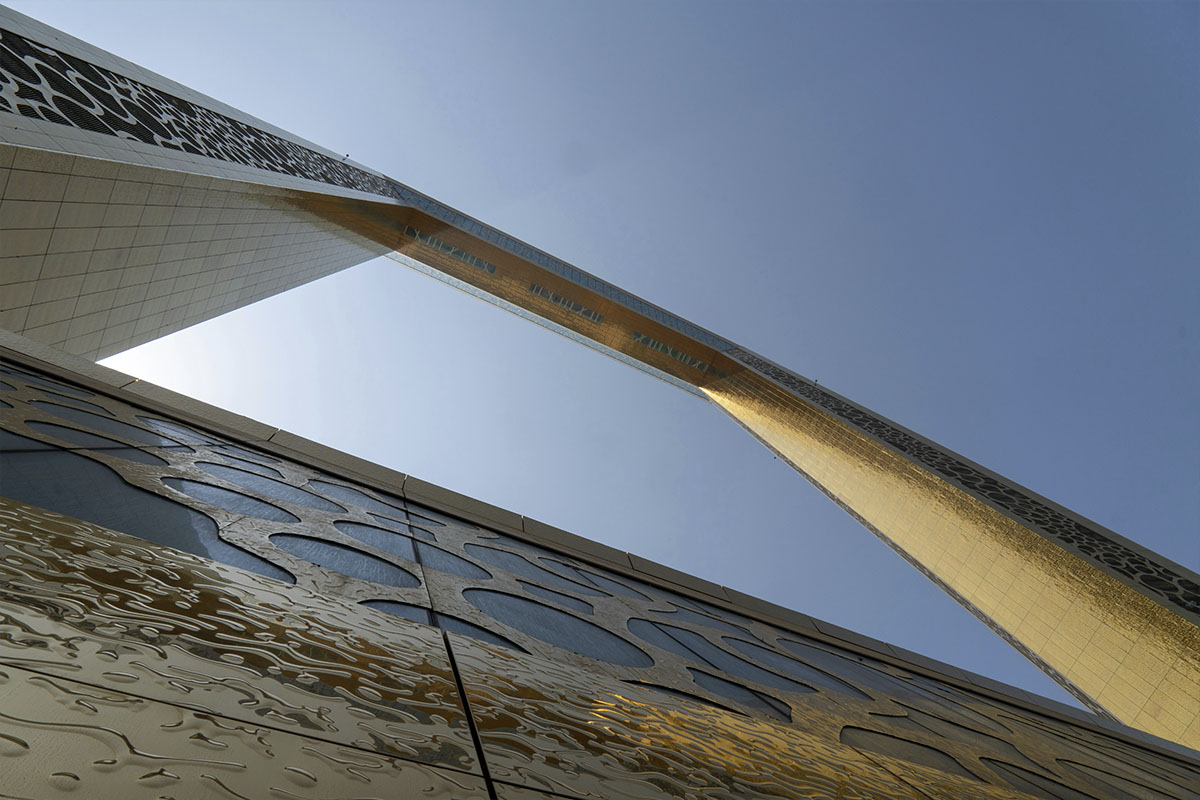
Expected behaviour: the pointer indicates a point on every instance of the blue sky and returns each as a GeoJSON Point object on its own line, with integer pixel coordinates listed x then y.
{"type": "Point", "coordinates": [979, 219]}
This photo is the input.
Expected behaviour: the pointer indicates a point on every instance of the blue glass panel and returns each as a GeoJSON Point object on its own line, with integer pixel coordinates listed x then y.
{"type": "Point", "coordinates": [566, 566]}
{"type": "Point", "coordinates": [521, 544]}
{"type": "Point", "coordinates": [851, 670]}
{"type": "Point", "coordinates": [593, 575]}
{"type": "Point", "coordinates": [461, 626]}
{"type": "Point", "coordinates": [236, 502]}
{"type": "Point", "coordinates": [218, 549]}
{"type": "Point", "coordinates": [794, 668]}
{"type": "Point", "coordinates": [695, 698]}
{"type": "Point", "coordinates": [436, 558]}
{"type": "Point", "coordinates": [557, 597]}
{"type": "Point", "coordinates": [436, 518]}
{"type": "Point", "coordinates": [106, 425]}
{"type": "Point", "coordinates": [253, 466]}
{"type": "Point", "coordinates": [1113, 784]}
{"type": "Point", "coordinates": [905, 750]}
{"type": "Point", "coordinates": [75, 401]}
{"type": "Point", "coordinates": [92, 441]}
{"type": "Point", "coordinates": [269, 487]}
{"type": "Point", "coordinates": [181, 432]}
{"type": "Point", "coordinates": [649, 632]}
{"type": "Point", "coordinates": [395, 543]}
{"type": "Point", "coordinates": [6, 388]}
{"type": "Point", "coordinates": [729, 663]}
{"type": "Point", "coordinates": [763, 703]}
{"type": "Point", "coordinates": [610, 582]}
{"type": "Point", "coordinates": [930, 723]}
{"type": "Point", "coordinates": [243, 453]}
{"type": "Point", "coordinates": [60, 480]}
{"type": "Point", "coordinates": [31, 378]}
{"type": "Point", "coordinates": [405, 610]}
{"type": "Point", "coordinates": [518, 565]}
{"type": "Point", "coordinates": [864, 675]}
{"type": "Point", "coordinates": [416, 531]}
{"type": "Point", "coordinates": [678, 600]}
{"type": "Point", "coordinates": [354, 497]}
{"type": "Point", "coordinates": [557, 628]}
{"type": "Point", "coordinates": [346, 560]}
{"type": "Point", "coordinates": [397, 525]}
{"type": "Point", "coordinates": [687, 615]}
{"type": "Point", "coordinates": [5, 405]}
{"type": "Point", "coordinates": [951, 703]}
{"type": "Point", "coordinates": [422, 517]}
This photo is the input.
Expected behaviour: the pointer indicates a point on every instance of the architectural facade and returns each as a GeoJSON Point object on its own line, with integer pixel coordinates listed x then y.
{"type": "Point", "coordinates": [196, 603]}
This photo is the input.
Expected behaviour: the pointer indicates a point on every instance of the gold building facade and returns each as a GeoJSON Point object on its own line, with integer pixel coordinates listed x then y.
{"type": "Point", "coordinates": [195, 604]}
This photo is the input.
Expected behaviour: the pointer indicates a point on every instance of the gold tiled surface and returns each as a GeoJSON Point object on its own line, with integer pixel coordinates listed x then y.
{"type": "Point", "coordinates": [98, 256]}
{"type": "Point", "coordinates": [513, 278]}
{"type": "Point", "coordinates": [62, 738]}
{"type": "Point", "coordinates": [1130, 655]}
{"type": "Point", "coordinates": [122, 614]}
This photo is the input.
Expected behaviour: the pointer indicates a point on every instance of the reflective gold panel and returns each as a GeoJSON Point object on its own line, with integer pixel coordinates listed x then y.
{"type": "Point", "coordinates": [545, 726]}
{"type": "Point", "coordinates": [121, 614]}
{"type": "Point", "coordinates": [60, 738]}
{"type": "Point", "coordinates": [1116, 647]}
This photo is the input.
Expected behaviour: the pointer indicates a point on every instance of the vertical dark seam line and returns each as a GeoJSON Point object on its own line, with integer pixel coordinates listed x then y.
{"type": "Point", "coordinates": [462, 693]}
{"type": "Point", "coordinates": [433, 618]}
{"type": "Point", "coordinates": [699, 659]}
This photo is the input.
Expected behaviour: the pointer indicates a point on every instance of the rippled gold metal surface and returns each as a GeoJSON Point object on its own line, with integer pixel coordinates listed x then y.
{"type": "Point", "coordinates": [547, 727]}
{"type": "Point", "coordinates": [82, 602]}
{"type": "Point", "coordinates": [1128, 654]}
{"type": "Point", "coordinates": [61, 738]}
{"type": "Point", "coordinates": [732, 665]}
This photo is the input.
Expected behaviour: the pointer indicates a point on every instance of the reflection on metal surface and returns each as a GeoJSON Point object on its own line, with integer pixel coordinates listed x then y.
{"type": "Point", "coordinates": [547, 727]}
{"type": "Point", "coordinates": [85, 603]}
{"type": "Point", "coordinates": [539, 729]}
{"type": "Point", "coordinates": [228, 643]}
{"type": "Point", "coordinates": [1111, 644]}
{"type": "Point", "coordinates": [61, 738]}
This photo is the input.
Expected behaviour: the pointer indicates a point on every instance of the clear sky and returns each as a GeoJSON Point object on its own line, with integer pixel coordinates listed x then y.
{"type": "Point", "coordinates": [979, 219]}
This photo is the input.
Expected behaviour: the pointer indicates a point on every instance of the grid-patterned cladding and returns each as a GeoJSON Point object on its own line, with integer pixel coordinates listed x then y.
{"type": "Point", "coordinates": [1154, 578]}
{"type": "Point", "coordinates": [99, 257]}
{"type": "Point", "coordinates": [1105, 640]}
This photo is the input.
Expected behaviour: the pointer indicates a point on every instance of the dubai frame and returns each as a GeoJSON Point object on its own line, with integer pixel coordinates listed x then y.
{"type": "Point", "coordinates": [195, 604]}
